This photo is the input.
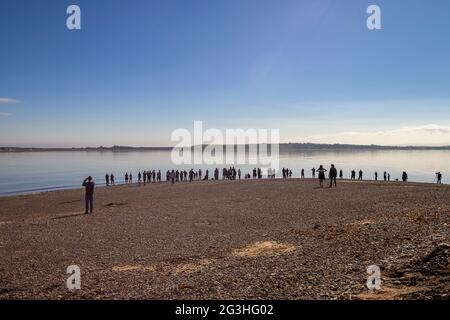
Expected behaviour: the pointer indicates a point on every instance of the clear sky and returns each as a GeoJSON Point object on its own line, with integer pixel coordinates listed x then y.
{"type": "Point", "coordinates": [137, 70]}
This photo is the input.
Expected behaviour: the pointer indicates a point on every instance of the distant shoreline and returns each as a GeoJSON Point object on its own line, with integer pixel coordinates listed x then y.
{"type": "Point", "coordinates": [282, 147]}
{"type": "Point", "coordinates": [59, 188]}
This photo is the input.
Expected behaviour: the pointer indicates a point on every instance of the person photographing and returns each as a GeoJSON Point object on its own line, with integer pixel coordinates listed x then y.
{"type": "Point", "coordinates": [89, 186]}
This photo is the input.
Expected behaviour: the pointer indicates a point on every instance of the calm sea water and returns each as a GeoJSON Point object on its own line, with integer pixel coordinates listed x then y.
{"type": "Point", "coordinates": [40, 171]}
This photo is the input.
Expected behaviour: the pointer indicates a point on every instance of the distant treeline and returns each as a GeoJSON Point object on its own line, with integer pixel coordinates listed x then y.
{"type": "Point", "coordinates": [114, 148]}
{"type": "Point", "coordinates": [283, 147]}
{"type": "Point", "coordinates": [317, 146]}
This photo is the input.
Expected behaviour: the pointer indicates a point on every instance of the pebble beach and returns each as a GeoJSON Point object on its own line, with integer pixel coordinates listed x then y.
{"type": "Point", "coordinates": [252, 239]}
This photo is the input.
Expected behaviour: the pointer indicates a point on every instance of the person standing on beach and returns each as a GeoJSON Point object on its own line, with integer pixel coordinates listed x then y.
{"type": "Point", "coordinates": [303, 173]}
{"type": "Point", "coordinates": [321, 172]}
{"type": "Point", "coordinates": [341, 174]}
{"type": "Point", "coordinates": [107, 179]}
{"type": "Point", "coordinates": [384, 176]}
{"type": "Point", "coordinates": [239, 174]}
{"type": "Point", "coordinates": [404, 176]}
{"type": "Point", "coordinates": [389, 177]}
{"type": "Point", "coordinates": [131, 178]}
{"type": "Point", "coordinates": [360, 176]}
{"type": "Point", "coordinates": [439, 177]}
{"type": "Point", "coordinates": [158, 176]}
{"type": "Point", "coordinates": [89, 186]}
{"type": "Point", "coordinates": [216, 174]}
{"type": "Point", "coordinates": [139, 177]}
{"type": "Point", "coordinates": [376, 176]}
{"type": "Point", "coordinates": [353, 175]}
{"type": "Point", "coordinates": [332, 175]}
{"type": "Point", "coordinates": [313, 172]}
{"type": "Point", "coordinates": [126, 177]}
{"type": "Point", "coordinates": [112, 179]}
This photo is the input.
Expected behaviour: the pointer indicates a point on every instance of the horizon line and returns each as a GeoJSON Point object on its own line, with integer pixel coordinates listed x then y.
{"type": "Point", "coordinates": [246, 144]}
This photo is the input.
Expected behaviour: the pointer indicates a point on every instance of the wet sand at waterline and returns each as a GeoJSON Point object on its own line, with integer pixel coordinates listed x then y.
{"type": "Point", "coordinates": [265, 239]}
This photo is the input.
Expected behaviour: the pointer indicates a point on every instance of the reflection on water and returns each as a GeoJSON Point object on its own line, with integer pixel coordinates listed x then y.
{"type": "Point", "coordinates": [36, 171]}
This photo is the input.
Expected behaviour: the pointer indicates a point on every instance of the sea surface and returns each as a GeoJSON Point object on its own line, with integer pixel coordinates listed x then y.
{"type": "Point", "coordinates": [27, 172]}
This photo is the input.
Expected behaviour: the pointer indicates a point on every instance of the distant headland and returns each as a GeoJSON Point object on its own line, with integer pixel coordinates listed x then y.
{"type": "Point", "coordinates": [283, 147]}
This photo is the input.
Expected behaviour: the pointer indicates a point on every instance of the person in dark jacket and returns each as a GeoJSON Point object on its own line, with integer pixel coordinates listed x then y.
{"type": "Point", "coordinates": [89, 186]}
{"type": "Point", "coordinates": [321, 172]}
{"type": "Point", "coordinates": [404, 176]}
{"type": "Point", "coordinates": [332, 174]}
{"type": "Point", "coordinates": [439, 177]}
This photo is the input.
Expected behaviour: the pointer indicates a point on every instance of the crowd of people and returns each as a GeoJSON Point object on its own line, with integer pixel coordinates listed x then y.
{"type": "Point", "coordinates": [153, 176]}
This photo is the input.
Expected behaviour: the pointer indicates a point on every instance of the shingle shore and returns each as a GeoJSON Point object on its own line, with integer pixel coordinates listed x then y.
{"type": "Point", "coordinates": [265, 239]}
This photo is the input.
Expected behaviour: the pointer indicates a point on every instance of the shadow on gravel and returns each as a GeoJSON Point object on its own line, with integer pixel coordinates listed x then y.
{"type": "Point", "coordinates": [4, 291]}
{"type": "Point", "coordinates": [68, 216]}
{"type": "Point", "coordinates": [69, 202]}
{"type": "Point", "coordinates": [113, 204]}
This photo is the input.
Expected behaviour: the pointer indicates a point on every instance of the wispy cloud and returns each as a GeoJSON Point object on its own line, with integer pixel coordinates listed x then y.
{"type": "Point", "coordinates": [430, 134]}
{"type": "Point", "coordinates": [8, 101]}
{"type": "Point", "coordinates": [4, 114]}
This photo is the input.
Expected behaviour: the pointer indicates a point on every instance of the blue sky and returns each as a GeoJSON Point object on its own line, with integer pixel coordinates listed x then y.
{"type": "Point", "coordinates": [140, 69]}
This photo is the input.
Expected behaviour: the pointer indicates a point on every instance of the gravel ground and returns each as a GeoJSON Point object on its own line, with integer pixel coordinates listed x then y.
{"type": "Point", "coordinates": [265, 239]}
